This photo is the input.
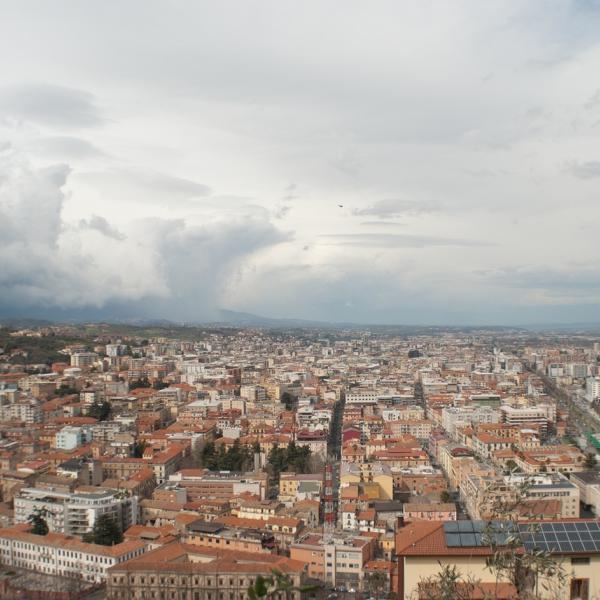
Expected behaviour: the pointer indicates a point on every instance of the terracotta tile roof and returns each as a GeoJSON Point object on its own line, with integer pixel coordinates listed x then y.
{"type": "Point", "coordinates": [427, 538]}
{"type": "Point", "coordinates": [259, 523]}
{"type": "Point", "coordinates": [70, 543]}
{"type": "Point", "coordinates": [223, 561]}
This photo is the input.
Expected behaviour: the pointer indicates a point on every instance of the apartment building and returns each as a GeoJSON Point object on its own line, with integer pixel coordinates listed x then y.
{"type": "Point", "coordinates": [25, 410]}
{"type": "Point", "coordinates": [362, 396]}
{"type": "Point", "coordinates": [217, 535]}
{"type": "Point", "coordinates": [299, 486]}
{"type": "Point", "coordinates": [440, 511]}
{"type": "Point", "coordinates": [163, 464]}
{"type": "Point", "coordinates": [83, 360]}
{"type": "Point", "coordinates": [521, 415]}
{"type": "Point", "coordinates": [375, 473]}
{"type": "Point", "coordinates": [588, 484]}
{"type": "Point", "coordinates": [201, 483]}
{"type": "Point", "coordinates": [335, 559]}
{"type": "Point", "coordinates": [74, 513]}
{"type": "Point", "coordinates": [551, 459]}
{"type": "Point", "coordinates": [71, 437]}
{"type": "Point", "coordinates": [460, 416]}
{"type": "Point", "coordinates": [551, 486]}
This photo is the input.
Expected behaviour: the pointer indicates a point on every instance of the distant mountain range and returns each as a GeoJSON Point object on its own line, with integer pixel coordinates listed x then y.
{"type": "Point", "coordinates": [232, 318]}
{"type": "Point", "coordinates": [243, 319]}
{"type": "Point", "coordinates": [24, 322]}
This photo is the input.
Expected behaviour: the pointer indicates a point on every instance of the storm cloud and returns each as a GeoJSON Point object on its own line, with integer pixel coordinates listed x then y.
{"type": "Point", "coordinates": [389, 162]}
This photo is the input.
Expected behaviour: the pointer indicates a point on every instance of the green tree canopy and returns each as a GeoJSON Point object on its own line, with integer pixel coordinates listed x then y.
{"type": "Point", "coordinates": [106, 532]}
{"type": "Point", "coordinates": [100, 410]}
{"type": "Point", "coordinates": [39, 525]}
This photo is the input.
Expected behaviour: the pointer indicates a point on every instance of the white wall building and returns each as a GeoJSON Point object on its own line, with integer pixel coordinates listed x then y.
{"type": "Point", "coordinates": [592, 388]}
{"type": "Point", "coordinates": [57, 554]}
{"type": "Point", "coordinates": [75, 513]}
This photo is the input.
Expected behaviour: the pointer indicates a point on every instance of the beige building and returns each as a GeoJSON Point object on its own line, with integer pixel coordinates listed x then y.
{"type": "Point", "coordinates": [184, 572]}
{"type": "Point", "coordinates": [424, 548]}
{"type": "Point", "coordinates": [377, 473]}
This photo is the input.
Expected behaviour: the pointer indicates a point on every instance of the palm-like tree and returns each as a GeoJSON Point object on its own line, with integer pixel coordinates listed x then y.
{"type": "Point", "coordinates": [275, 584]}
{"type": "Point", "coordinates": [376, 581]}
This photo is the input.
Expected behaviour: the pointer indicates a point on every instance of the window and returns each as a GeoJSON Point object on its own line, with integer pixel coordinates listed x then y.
{"type": "Point", "coordinates": [580, 589]}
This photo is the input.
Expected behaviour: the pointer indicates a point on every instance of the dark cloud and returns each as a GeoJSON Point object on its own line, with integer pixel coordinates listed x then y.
{"type": "Point", "coordinates": [568, 280]}
{"type": "Point", "coordinates": [50, 105]}
{"type": "Point", "coordinates": [163, 266]}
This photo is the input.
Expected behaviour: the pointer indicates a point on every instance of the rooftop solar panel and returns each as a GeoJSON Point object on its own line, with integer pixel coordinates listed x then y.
{"type": "Point", "coordinates": [555, 537]}
{"type": "Point", "coordinates": [563, 537]}
{"type": "Point", "coordinates": [465, 526]}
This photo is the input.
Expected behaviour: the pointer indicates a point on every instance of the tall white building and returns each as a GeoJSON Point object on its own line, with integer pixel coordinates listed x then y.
{"type": "Point", "coordinates": [592, 388]}
{"type": "Point", "coordinates": [75, 513]}
{"type": "Point", "coordinates": [71, 437]}
{"type": "Point", "coordinates": [459, 416]}
{"type": "Point", "coordinates": [83, 359]}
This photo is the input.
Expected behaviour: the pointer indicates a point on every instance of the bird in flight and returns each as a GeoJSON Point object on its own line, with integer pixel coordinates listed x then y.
{"type": "Point", "coordinates": [341, 205]}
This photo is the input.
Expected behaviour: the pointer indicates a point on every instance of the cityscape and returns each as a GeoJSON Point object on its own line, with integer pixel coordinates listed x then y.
{"type": "Point", "coordinates": [181, 462]}
{"type": "Point", "coordinates": [299, 300]}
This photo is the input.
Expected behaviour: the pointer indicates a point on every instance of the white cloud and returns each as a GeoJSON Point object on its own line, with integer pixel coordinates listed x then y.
{"type": "Point", "coordinates": [472, 127]}
{"type": "Point", "coordinates": [47, 262]}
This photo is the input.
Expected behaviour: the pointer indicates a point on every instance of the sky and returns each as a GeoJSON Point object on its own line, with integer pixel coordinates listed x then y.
{"type": "Point", "coordinates": [371, 162]}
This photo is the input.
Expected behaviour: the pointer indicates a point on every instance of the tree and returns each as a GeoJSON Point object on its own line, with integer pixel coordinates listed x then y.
{"type": "Point", "coordinates": [445, 496]}
{"type": "Point", "coordinates": [39, 525]}
{"type": "Point", "coordinates": [512, 466]}
{"type": "Point", "coordinates": [526, 569]}
{"type": "Point", "coordinates": [448, 584]}
{"type": "Point", "coordinates": [377, 581]}
{"type": "Point", "coordinates": [236, 458]}
{"type": "Point", "coordinates": [534, 573]}
{"type": "Point", "coordinates": [138, 448]}
{"type": "Point", "coordinates": [100, 410]}
{"type": "Point", "coordinates": [106, 532]}
{"type": "Point", "coordinates": [275, 584]}
{"type": "Point", "coordinates": [288, 400]}
{"type": "Point", "coordinates": [139, 383]}
{"type": "Point", "coordinates": [590, 460]}
{"type": "Point", "coordinates": [66, 390]}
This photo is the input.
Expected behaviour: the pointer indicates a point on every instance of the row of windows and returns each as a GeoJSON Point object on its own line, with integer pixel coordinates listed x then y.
{"type": "Point", "coordinates": [151, 580]}
{"type": "Point", "coordinates": [184, 595]}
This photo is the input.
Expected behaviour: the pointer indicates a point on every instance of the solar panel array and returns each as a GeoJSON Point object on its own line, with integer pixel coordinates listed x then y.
{"type": "Point", "coordinates": [581, 536]}
{"type": "Point", "coordinates": [472, 534]}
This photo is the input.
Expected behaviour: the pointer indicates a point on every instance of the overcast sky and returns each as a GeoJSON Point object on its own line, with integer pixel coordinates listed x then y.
{"type": "Point", "coordinates": [381, 162]}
